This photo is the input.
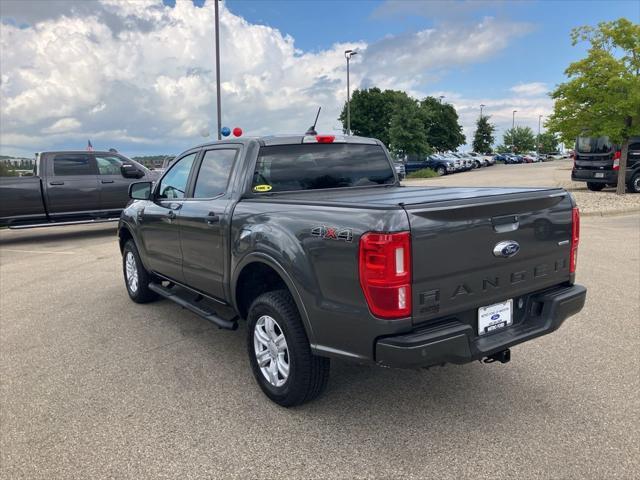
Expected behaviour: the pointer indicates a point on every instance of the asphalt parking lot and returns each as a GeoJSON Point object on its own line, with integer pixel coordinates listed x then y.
{"type": "Point", "coordinates": [95, 386]}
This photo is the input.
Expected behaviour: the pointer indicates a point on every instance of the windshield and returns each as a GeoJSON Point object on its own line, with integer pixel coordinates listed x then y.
{"type": "Point", "coordinates": [315, 166]}
{"type": "Point", "coordinates": [593, 145]}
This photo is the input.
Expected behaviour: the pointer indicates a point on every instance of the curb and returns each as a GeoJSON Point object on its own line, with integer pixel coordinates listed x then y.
{"type": "Point", "coordinates": [614, 213]}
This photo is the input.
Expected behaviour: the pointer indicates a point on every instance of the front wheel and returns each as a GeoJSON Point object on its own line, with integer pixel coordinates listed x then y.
{"type": "Point", "coordinates": [136, 277]}
{"type": "Point", "coordinates": [440, 171]}
{"type": "Point", "coordinates": [279, 352]}
{"type": "Point", "coordinates": [634, 183]}
{"type": "Point", "coordinates": [595, 187]}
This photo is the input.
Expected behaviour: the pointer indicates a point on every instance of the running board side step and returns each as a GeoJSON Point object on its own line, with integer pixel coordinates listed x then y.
{"type": "Point", "coordinates": [59, 224]}
{"type": "Point", "coordinates": [213, 318]}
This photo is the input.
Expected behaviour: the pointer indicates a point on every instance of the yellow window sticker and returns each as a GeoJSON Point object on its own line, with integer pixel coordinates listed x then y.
{"type": "Point", "coordinates": [262, 188]}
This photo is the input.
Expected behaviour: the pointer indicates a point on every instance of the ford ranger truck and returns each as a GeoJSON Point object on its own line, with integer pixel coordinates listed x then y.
{"type": "Point", "coordinates": [314, 243]}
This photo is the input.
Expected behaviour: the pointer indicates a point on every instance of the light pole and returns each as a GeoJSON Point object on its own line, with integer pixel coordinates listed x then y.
{"type": "Point", "coordinates": [513, 126]}
{"type": "Point", "coordinates": [217, 22]}
{"type": "Point", "coordinates": [538, 142]}
{"type": "Point", "coordinates": [348, 54]}
{"type": "Point", "coordinates": [482, 105]}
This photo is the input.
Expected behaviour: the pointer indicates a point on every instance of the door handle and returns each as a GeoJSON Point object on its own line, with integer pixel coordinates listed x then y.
{"type": "Point", "coordinates": [106, 181]}
{"type": "Point", "coordinates": [212, 218]}
{"type": "Point", "coordinates": [56, 183]}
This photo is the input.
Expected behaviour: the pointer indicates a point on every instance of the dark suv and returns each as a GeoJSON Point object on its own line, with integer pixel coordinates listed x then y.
{"type": "Point", "coordinates": [597, 160]}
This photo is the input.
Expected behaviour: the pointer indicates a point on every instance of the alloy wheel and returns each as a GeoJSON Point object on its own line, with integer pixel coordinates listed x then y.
{"type": "Point", "coordinates": [131, 269]}
{"type": "Point", "coordinates": [271, 350]}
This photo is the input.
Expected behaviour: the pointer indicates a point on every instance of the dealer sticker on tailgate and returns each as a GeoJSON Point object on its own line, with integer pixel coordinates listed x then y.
{"type": "Point", "coordinates": [495, 317]}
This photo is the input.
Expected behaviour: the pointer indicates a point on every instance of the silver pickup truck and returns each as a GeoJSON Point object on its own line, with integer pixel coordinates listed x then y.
{"type": "Point", "coordinates": [68, 188]}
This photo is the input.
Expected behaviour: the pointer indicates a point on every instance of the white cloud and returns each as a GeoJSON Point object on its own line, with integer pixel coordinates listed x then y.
{"type": "Point", "coordinates": [530, 89]}
{"type": "Point", "coordinates": [63, 125]}
{"type": "Point", "coordinates": [141, 73]}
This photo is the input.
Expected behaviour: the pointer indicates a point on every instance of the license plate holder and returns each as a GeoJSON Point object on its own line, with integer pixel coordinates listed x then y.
{"type": "Point", "coordinates": [496, 317]}
{"type": "Point", "coordinates": [598, 175]}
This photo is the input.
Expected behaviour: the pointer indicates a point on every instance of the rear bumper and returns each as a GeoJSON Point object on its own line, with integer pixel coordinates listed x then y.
{"type": "Point", "coordinates": [608, 176]}
{"type": "Point", "coordinates": [457, 342]}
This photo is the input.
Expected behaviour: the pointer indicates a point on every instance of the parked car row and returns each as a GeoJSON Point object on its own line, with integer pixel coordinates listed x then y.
{"type": "Point", "coordinates": [448, 163]}
{"type": "Point", "coordinates": [531, 157]}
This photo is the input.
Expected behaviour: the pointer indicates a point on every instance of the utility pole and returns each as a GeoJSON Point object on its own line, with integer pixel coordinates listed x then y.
{"type": "Point", "coordinates": [217, 22]}
{"type": "Point", "coordinates": [513, 121]}
{"type": "Point", "coordinates": [348, 54]}
{"type": "Point", "coordinates": [481, 107]}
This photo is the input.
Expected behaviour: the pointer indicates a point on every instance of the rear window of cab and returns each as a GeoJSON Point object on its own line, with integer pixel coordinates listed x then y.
{"type": "Point", "coordinates": [313, 166]}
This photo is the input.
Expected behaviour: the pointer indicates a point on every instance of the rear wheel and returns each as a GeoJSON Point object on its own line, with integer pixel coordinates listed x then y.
{"type": "Point", "coordinates": [136, 277]}
{"type": "Point", "coordinates": [279, 352]}
{"type": "Point", "coordinates": [595, 187]}
{"type": "Point", "coordinates": [634, 183]}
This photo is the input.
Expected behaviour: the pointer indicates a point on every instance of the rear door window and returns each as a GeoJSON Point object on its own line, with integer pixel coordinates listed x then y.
{"type": "Point", "coordinates": [593, 145]}
{"type": "Point", "coordinates": [73, 164]}
{"type": "Point", "coordinates": [317, 166]}
{"type": "Point", "coordinates": [214, 173]}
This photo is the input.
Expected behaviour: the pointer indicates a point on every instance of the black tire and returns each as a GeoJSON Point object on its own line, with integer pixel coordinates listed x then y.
{"type": "Point", "coordinates": [441, 171]}
{"type": "Point", "coordinates": [634, 183]}
{"type": "Point", "coordinates": [595, 187]}
{"type": "Point", "coordinates": [308, 374]}
{"type": "Point", "coordinates": [141, 294]}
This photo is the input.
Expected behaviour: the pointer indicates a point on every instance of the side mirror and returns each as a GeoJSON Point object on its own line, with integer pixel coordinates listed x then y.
{"type": "Point", "coordinates": [140, 190]}
{"type": "Point", "coordinates": [128, 170]}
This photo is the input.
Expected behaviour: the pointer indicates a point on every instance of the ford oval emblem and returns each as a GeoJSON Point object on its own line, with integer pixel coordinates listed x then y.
{"type": "Point", "coordinates": [495, 316]}
{"type": "Point", "coordinates": [506, 249]}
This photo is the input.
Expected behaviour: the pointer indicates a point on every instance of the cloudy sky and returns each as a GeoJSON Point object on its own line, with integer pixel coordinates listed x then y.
{"type": "Point", "coordinates": [139, 75]}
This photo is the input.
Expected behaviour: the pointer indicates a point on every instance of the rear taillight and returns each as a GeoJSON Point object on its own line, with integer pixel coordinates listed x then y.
{"type": "Point", "coordinates": [385, 273]}
{"type": "Point", "coordinates": [575, 239]}
{"type": "Point", "coordinates": [616, 160]}
{"type": "Point", "coordinates": [325, 138]}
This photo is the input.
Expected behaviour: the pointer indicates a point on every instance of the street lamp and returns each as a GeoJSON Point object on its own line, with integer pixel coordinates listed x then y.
{"type": "Point", "coordinates": [482, 105]}
{"type": "Point", "coordinates": [513, 121]}
{"type": "Point", "coordinates": [538, 142]}
{"type": "Point", "coordinates": [348, 54]}
{"type": "Point", "coordinates": [217, 25]}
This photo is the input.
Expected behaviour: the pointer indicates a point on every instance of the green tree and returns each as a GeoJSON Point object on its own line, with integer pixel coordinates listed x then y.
{"type": "Point", "coordinates": [407, 136]}
{"type": "Point", "coordinates": [483, 138]}
{"type": "Point", "coordinates": [602, 94]}
{"type": "Point", "coordinates": [444, 132]}
{"type": "Point", "coordinates": [371, 112]}
{"type": "Point", "coordinates": [547, 142]}
{"type": "Point", "coordinates": [7, 170]}
{"type": "Point", "coordinates": [520, 139]}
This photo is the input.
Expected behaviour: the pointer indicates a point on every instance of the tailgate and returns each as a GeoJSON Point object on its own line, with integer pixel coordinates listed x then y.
{"type": "Point", "coordinates": [453, 242]}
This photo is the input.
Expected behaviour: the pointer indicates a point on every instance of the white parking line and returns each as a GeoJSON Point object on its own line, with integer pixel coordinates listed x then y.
{"type": "Point", "coordinates": [36, 251]}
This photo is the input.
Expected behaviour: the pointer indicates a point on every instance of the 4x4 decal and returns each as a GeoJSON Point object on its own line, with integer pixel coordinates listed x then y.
{"type": "Point", "coordinates": [332, 233]}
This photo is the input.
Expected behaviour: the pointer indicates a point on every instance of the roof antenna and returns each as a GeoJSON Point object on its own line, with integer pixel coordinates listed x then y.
{"type": "Point", "coordinates": [312, 128]}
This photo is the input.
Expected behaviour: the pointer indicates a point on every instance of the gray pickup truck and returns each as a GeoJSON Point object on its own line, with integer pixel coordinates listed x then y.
{"type": "Point", "coordinates": [69, 188]}
{"type": "Point", "coordinates": [313, 241]}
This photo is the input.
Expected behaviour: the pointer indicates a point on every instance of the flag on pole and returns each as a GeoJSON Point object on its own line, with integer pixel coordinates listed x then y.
{"type": "Point", "coordinates": [89, 146]}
